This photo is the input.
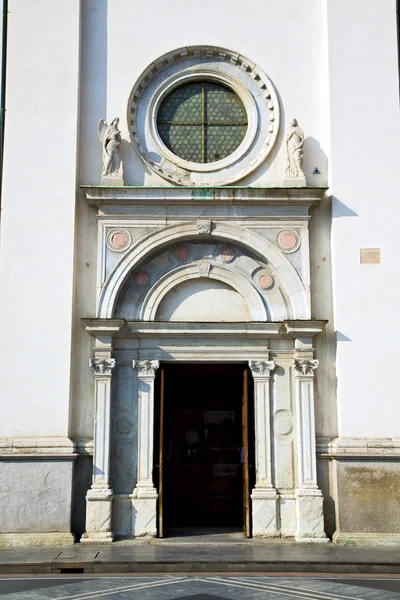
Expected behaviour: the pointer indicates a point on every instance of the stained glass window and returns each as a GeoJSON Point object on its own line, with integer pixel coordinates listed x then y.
{"type": "Point", "coordinates": [202, 122]}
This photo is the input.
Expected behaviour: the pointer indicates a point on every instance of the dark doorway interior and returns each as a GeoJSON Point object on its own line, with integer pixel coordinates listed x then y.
{"type": "Point", "coordinates": [203, 446]}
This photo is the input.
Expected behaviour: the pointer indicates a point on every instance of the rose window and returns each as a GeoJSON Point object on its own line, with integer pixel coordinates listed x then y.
{"type": "Point", "coordinates": [202, 122]}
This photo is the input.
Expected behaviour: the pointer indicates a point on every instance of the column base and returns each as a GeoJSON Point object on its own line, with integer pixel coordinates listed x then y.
{"type": "Point", "coordinates": [144, 512]}
{"type": "Point", "coordinates": [97, 537]}
{"type": "Point", "coordinates": [98, 517]}
{"type": "Point", "coordinates": [310, 517]}
{"type": "Point", "coordinates": [265, 513]}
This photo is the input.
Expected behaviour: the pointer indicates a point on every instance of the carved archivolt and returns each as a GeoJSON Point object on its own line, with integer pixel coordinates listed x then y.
{"type": "Point", "coordinates": [292, 293]}
{"type": "Point", "coordinates": [236, 281]}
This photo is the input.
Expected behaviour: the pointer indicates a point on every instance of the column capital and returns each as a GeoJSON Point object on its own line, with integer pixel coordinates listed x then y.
{"type": "Point", "coordinates": [146, 368]}
{"type": "Point", "coordinates": [102, 366]}
{"type": "Point", "coordinates": [305, 367]}
{"type": "Point", "coordinates": [261, 368]}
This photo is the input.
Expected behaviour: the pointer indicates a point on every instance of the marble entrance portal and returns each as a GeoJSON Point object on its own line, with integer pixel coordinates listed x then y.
{"type": "Point", "coordinates": [216, 279]}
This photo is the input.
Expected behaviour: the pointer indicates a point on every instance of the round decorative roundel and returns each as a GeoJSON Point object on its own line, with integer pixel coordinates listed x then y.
{"type": "Point", "coordinates": [287, 240]}
{"type": "Point", "coordinates": [181, 253]}
{"type": "Point", "coordinates": [203, 115]}
{"type": "Point", "coordinates": [227, 255]}
{"type": "Point", "coordinates": [142, 278]}
{"type": "Point", "coordinates": [119, 239]}
{"type": "Point", "coordinates": [266, 281]}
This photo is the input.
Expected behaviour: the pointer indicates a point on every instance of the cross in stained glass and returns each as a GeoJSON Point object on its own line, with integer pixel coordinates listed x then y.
{"type": "Point", "coordinates": [202, 122]}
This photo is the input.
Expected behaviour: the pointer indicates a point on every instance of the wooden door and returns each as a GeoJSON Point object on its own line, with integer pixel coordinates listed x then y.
{"type": "Point", "coordinates": [245, 454]}
{"type": "Point", "coordinates": [161, 459]}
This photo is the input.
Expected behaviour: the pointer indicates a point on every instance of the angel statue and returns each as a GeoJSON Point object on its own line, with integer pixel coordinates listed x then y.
{"type": "Point", "coordinates": [294, 150]}
{"type": "Point", "coordinates": [110, 137]}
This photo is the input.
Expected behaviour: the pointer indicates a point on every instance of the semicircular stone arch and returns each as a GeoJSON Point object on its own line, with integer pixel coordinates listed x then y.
{"type": "Point", "coordinates": [201, 269]}
{"type": "Point", "coordinates": [288, 298]}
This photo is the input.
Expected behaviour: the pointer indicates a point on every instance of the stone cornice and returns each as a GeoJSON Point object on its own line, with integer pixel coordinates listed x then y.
{"type": "Point", "coordinates": [103, 326]}
{"type": "Point", "coordinates": [274, 196]}
{"type": "Point", "coordinates": [285, 329]}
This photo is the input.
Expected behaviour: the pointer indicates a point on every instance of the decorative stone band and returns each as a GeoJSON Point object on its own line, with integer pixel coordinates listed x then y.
{"type": "Point", "coordinates": [343, 447]}
{"type": "Point", "coordinates": [146, 368]}
{"type": "Point", "coordinates": [305, 367]}
{"type": "Point", "coordinates": [37, 447]}
{"type": "Point", "coordinates": [261, 368]}
{"type": "Point", "coordinates": [102, 366]}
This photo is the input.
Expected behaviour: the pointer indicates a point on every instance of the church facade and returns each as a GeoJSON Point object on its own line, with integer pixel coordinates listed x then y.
{"type": "Point", "coordinates": [198, 271]}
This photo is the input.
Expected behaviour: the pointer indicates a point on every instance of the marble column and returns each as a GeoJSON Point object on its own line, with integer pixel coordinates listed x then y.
{"type": "Point", "coordinates": [264, 497]}
{"type": "Point", "coordinates": [309, 499]}
{"type": "Point", "coordinates": [144, 496]}
{"type": "Point", "coordinates": [100, 496]}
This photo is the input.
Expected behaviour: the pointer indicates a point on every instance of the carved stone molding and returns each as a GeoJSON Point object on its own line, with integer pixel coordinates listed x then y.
{"type": "Point", "coordinates": [146, 368]}
{"type": "Point", "coordinates": [102, 366]}
{"type": "Point", "coordinates": [261, 368]}
{"type": "Point", "coordinates": [204, 227]}
{"type": "Point", "coordinates": [305, 367]}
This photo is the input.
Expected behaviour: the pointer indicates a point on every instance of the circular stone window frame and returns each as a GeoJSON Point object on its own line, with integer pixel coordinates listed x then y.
{"type": "Point", "coordinates": [213, 76]}
{"type": "Point", "coordinates": [221, 66]}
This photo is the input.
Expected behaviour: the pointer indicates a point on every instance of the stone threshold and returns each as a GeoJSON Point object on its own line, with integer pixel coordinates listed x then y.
{"type": "Point", "coordinates": [264, 558]}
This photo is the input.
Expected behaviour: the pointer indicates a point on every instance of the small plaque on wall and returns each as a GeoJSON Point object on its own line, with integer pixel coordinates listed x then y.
{"type": "Point", "coordinates": [370, 256]}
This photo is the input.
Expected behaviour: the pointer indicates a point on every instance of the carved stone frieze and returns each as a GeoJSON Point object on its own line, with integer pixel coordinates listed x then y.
{"type": "Point", "coordinates": [102, 366]}
{"type": "Point", "coordinates": [261, 368]}
{"type": "Point", "coordinates": [146, 368]}
{"type": "Point", "coordinates": [305, 366]}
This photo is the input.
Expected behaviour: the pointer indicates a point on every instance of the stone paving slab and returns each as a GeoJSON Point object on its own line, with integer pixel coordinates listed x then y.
{"type": "Point", "coordinates": [172, 559]}
{"type": "Point", "coordinates": [199, 588]}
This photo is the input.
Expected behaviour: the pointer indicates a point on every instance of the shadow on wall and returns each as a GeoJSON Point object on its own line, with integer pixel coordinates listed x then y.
{"type": "Point", "coordinates": [135, 170]}
{"type": "Point", "coordinates": [93, 85]}
{"type": "Point", "coordinates": [340, 337]}
{"type": "Point", "coordinates": [315, 163]}
{"type": "Point", "coordinates": [341, 210]}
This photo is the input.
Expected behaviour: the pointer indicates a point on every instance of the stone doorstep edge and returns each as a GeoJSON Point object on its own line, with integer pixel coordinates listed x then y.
{"type": "Point", "coordinates": [203, 567]}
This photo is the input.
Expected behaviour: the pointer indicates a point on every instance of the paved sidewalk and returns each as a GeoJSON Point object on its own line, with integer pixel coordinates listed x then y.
{"type": "Point", "coordinates": [164, 557]}
{"type": "Point", "coordinates": [189, 587]}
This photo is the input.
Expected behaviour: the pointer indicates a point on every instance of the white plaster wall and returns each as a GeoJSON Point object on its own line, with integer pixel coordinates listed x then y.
{"type": "Point", "coordinates": [120, 39]}
{"type": "Point", "coordinates": [365, 159]}
{"type": "Point", "coordinates": [286, 39]}
{"type": "Point", "coordinates": [38, 216]}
